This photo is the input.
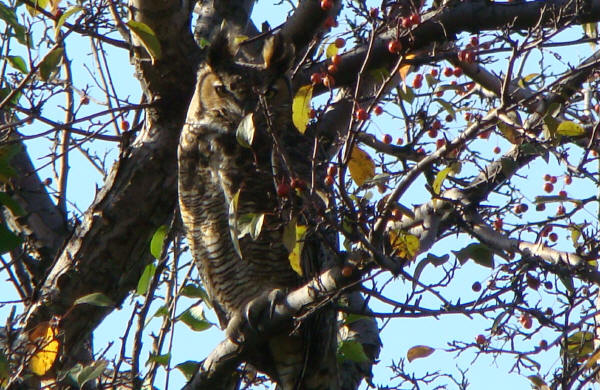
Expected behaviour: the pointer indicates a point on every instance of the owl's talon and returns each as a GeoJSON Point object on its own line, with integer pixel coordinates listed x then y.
{"type": "Point", "coordinates": [257, 306]}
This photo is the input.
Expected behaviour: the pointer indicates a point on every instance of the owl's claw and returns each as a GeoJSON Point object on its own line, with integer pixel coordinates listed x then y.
{"type": "Point", "coordinates": [256, 307]}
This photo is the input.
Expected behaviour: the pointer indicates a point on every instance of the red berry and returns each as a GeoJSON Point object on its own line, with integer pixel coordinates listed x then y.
{"type": "Point", "coordinates": [548, 187]}
{"type": "Point", "coordinates": [283, 189]}
{"type": "Point", "coordinates": [378, 110]}
{"type": "Point", "coordinates": [330, 22]}
{"type": "Point", "coordinates": [436, 124]}
{"type": "Point", "coordinates": [328, 81]}
{"type": "Point", "coordinates": [329, 181]}
{"type": "Point", "coordinates": [298, 184]}
{"type": "Point", "coordinates": [480, 339]}
{"type": "Point", "coordinates": [457, 72]}
{"type": "Point", "coordinates": [498, 224]}
{"type": "Point", "coordinates": [553, 179]}
{"type": "Point", "coordinates": [339, 43]}
{"type": "Point", "coordinates": [406, 23]}
{"type": "Point", "coordinates": [469, 57]}
{"type": "Point", "coordinates": [560, 210]}
{"type": "Point", "coordinates": [448, 71]}
{"type": "Point", "coordinates": [548, 286]}
{"type": "Point", "coordinates": [124, 125]}
{"type": "Point", "coordinates": [373, 13]}
{"type": "Point", "coordinates": [315, 78]}
{"type": "Point", "coordinates": [474, 41]}
{"type": "Point", "coordinates": [476, 287]}
{"type": "Point", "coordinates": [417, 83]}
{"type": "Point", "coordinates": [543, 344]}
{"type": "Point", "coordinates": [332, 170]}
{"type": "Point", "coordinates": [433, 72]}
{"type": "Point", "coordinates": [326, 5]}
{"type": "Point", "coordinates": [84, 100]}
{"type": "Point", "coordinates": [526, 321]}
{"type": "Point", "coordinates": [553, 237]}
{"type": "Point", "coordinates": [336, 59]}
{"type": "Point", "coordinates": [331, 68]}
{"type": "Point", "coordinates": [347, 271]}
{"type": "Point", "coordinates": [415, 19]}
{"type": "Point", "coordinates": [432, 133]}
{"type": "Point", "coordinates": [312, 114]}
{"type": "Point", "coordinates": [449, 118]}
{"type": "Point", "coordinates": [362, 114]}
{"type": "Point", "coordinates": [568, 180]}
{"type": "Point", "coordinates": [396, 214]}
{"type": "Point", "coordinates": [387, 139]}
{"type": "Point", "coordinates": [547, 177]}
{"type": "Point", "coordinates": [420, 150]}
{"type": "Point", "coordinates": [440, 142]}
{"type": "Point", "coordinates": [562, 194]}
{"type": "Point", "coordinates": [399, 141]}
{"type": "Point", "coordinates": [394, 46]}
{"type": "Point", "coordinates": [533, 282]}
{"type": "Point", "coordinates": [540, 207]}
{"type": "Point", "coordinates": [523, 207]}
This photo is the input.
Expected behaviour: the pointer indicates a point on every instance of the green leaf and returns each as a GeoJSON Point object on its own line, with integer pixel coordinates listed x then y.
{"type": "Point", "coordinates": [233, 223]}
{"type": "Point", "coordinates": [96, 299]}
{"type": "Point", "coordinates": [430, 259]}
{"type": "Point", "coordinates": [188, 368]}
{"type": "Point", "coordinates": [352, 350]}
{"type": "Point", "coordinates": [407, 94]}
{"type": "Point", "coordinates": [526, 80]}
{"type": "Point", "coordinates": [194, 291]}
{"type": "Point", "coordinates": [194, 318]}
{"type": "Point", "coordinates": [480, 253]}
{"type": "Point", "coordinates": [162, 311]}
{"type": "Point", "coordinates": [147, 37]}
{"type": "Point", "coordinates": [447, 106]}
{"type": "Point", "coordinates": [38, 4]}
{"type": "Point", "coordinates": [50, 64]}
{"type": "Point", "coordinates": [10, 17]}
{"type": "Point", "coordinates": [4, 92]}
{"type": "Point", "coordinates": [439, 180]}
{"type": "Point", "coordinates": [157, 241]}
{"type": "Point", "coordinates": [245, 131]}
{"type": "Point", "coordinates": [18, 63]}
{"type": "Point", "coordinates": [63, 18]}
{"type": "Point", "coordinates": [570, 129]}
{"type": "Point", "coordinates": [91, 372]}
{"type": "Point", "coordinates": [580, 344]}
{"type": "Point", "coordinates": [145, 279]}
{"type": "Point", "coordinates": [7, 152]}
{"type": "Point", "coordinates": [161, 360]}
{"type": "Point", "coordinates": [8, 240]}
{"type": "Point", "coordinates": [12, 204]}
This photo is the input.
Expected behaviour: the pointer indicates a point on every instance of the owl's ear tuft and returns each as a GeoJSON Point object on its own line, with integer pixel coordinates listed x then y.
{"type": "Point", "coordinates": [219, 52]}
{"type": "Point", "coordinates": [278, 54]}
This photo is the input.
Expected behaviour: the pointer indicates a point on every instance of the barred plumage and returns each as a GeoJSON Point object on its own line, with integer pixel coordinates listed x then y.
{"type": "Point", "coordinates": [213, 167]}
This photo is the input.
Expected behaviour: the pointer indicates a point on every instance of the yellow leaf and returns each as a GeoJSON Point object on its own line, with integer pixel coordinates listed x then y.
{"type": "Point", "coordinates": [580, 344]}
{"type": "Point", "coordinates": [405, 68]}
{"type": "Point", "coordinates": [406, 245]}
{"type": "Point", "coordinates": [38, 4]}
{"type": "Point", "coordinates": [147, 38]}
{"type": "Point", "coordinates": [296, 254]}
{"type": "Point", "coordinates": [509, 132]}
{"type": "Point", "coordinates": [301, 107]}
{"type": "Point", "coordinates": [361, 165]}
{"type": "Point", "coordinates": [331, 50]}
{"type": "Point", "coordinates": [419, 351]}
{"type": "Point", "coordinates": [439, 180]}
{"type": "Point", "coordinates": [44, 348]}
{"type": "Point", "coordinates": [239, 39]}
{"type": "Point", "coordinates": [570, 129]}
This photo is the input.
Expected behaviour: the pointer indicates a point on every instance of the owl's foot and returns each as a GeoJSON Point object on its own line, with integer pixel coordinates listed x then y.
{"type": "Point", "coordinates": [256, 307]}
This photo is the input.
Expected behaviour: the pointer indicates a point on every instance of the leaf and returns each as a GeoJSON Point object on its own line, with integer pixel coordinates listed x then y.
{"type": "Point", "coordinates": [352, 350]}
{"type": "Point", "coordinates": [233, 223]}
{"type": "Point", "coordinates": [91, 372]}
{"type": "Point", "coordinates": [188, 368]}
{"type": "Point", "coordinates": [44, 347]}
{"type": "Point", "coordinates": [18, 63]}
{"type": "Point", "coordinates": [289, 235]}
{"type": "Point", "coordinates": [361, 165]}
{"type": "Point", "coordinates": [295, 255]}
{"type": "Point", "coordinates": [591, 31]}
{"type": "Point", "coordinates": [9, 16]}
{"type": "Point", "coordinates": [418, 352]}
{"type": "Point", "coordinates": [447, 106]}
{"type": "Point", "coordinates": [4, 373]}
{"type": "Point", "coordinates": [157, 241]}
{"type": "Point", "coordinates": [162, 311]}
{"type": "Point", "coordinates": [38, 4]}
{"type": "Point", "coordinates": [406, 245]}
{"type": "Point", "coordinates": [526, 80]}
{"type": "Point", "coordinates": [580, 344]}
{"type": "Point", "coordinates": [331, 50]}
{"type": "Point", "coordinates": [7, 152]}
{"type": "Point", "coordinates": [575, 234]}
{"type": "Point", "coordinates": [301, 107]}
{"type": "Point", "coordinates": [194, 291]}
{"type": "Point", "coordinates": [509, 132]}
{"type": "Point", "coordinates": [538, 382]}
{"type": "Point", "coordinates": [50, 64]}
{"type": "Point", "coordinates": [245, 131]}
{"type": "Point", "coordinates": [145, 279]}
{"type": "Point", "coordinates": [570, 129]}
{"type": "Point", "coordinates": [480, 253]}
{"type": "Point", "coordinates": [63, 18]}
{"type": "Point", "coordinates": [406, 68]}
{"type": "Point", "coordinates": [161, 360]}
{"type": "Point", "coordinates": [439, 180]}
{"type": "Point", "coordinates": [8, 240]}
{"type": "Point", "coordinates": [251, 224]}
{"type": "Point", "coordinates": [147, 38]}
{"type": "Point", "coordinates": [407, 94]}
{"type": "Point", "coordinates": [430, 259]}
{"type": "Point", "coordinates": [96, 299]}
{"type": "Point", "coordinates": [194, 318]}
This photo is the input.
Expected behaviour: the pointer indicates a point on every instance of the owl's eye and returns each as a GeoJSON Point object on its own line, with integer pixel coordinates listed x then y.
{"type": "Point", "coordinates": [220, 89]}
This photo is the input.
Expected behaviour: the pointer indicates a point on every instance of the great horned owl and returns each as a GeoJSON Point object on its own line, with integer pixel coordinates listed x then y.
{"type": "Point", "coordinates": [213, 168]}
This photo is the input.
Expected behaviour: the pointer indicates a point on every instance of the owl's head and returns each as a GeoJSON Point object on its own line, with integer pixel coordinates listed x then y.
{"type": "Point", "coordinates": [229, 88]}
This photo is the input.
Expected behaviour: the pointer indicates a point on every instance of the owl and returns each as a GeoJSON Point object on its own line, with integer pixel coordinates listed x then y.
{"type": "Point", "coordinates": [218, 173]}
